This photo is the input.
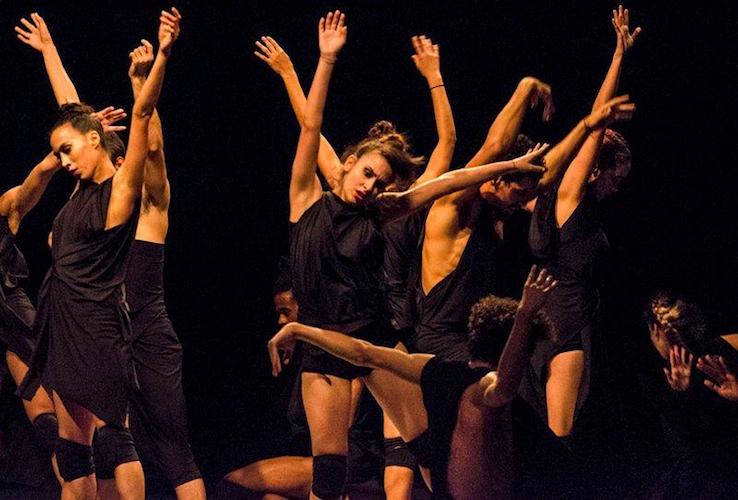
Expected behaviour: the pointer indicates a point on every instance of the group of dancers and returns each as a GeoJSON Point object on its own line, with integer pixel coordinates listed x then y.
{"type": "Point", "coordinates": [392, 312]}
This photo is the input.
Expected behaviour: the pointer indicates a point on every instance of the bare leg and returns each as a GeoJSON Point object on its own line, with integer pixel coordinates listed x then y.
{"type": "Point", "coordinates": [284, 476]}
{"type": "Point", "coordinates": [562, 389]}
{"type": "Point", "coordinates": [76, 424]}
{"type": "Point", "coordinates": [327, 401]}
{"type": "Point", "coordinates": [191, 490]}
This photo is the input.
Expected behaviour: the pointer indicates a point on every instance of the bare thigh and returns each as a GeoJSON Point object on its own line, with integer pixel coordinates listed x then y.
{"type": "Point", "coordinates": [562, 389]}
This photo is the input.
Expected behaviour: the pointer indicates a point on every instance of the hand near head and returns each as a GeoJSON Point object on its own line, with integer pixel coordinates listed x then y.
{"type": "Point", "coordinates": [426, 58]}
{"type": "Point", "coordinates": [725, 382]}
{"type": "Point", "coordinates": [540, 93]}
{"type": "Point", "coordinates": [36, 34]}
{"type": "Point", "coordinates": [142, 57]}
{"type": "Point", "coordinates": [536, 290]}
{"type": "Point", "coordinates": [108, 116]}
{"type": "Point", "coordinates": [281, 347]}
{"type": "Point", "coordinates": [620, 22]}
{"type": "Point", "coordinates": [169, 25]}
{"type": "Point", "coordinates": [332, 34]}
{"type": "Point", "coordinates": [616, 109]}
{"type": "Point", "coordinates": [680, 368]}
{"type": "Point", "coordinates": [272, 54]}
{"type": "Point", "coordinates": [525, 163]}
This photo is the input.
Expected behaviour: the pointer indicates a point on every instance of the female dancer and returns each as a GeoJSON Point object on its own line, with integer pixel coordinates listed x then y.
{"type": "Point", "coordinates": [16, 311]}
{"type": "Point", "coordinates": [566, 237]}
{"type": "Point", "coordinates": [335, 250]}
{"type": "Point", "coordinates": [401, 236]}
{"type": "Point", "coordinates": [461, 421]}
{"type": "Point", "coordinates": [83, 355]}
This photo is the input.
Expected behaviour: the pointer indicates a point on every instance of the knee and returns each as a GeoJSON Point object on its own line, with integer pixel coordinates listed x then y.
{"type": "Point", "coordinates": [74, 459]}
{"type": "Point", "coordinates": [113, 446]}
{"type": "Point", "coordinates": [329, 475]}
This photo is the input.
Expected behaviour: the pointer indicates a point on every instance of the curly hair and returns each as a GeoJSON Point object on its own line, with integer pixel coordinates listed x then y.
{"type": "Point", "coordinates": [79, 116]}
{"type": "Point", "coordinates": [490, 322]}
{"type": "Point", "coordinates": [395, 147]}
{"type": "Point", "coordinates": [615, 153]}
{"type": "Point", "coordinates": [683, 322]}
{"type": "Point", "coordinates": [521, 146]}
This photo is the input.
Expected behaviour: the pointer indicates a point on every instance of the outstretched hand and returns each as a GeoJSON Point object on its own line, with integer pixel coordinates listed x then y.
{"type": "Point", "coordinates": [536, 289]}
{"type": "Point", "coordinates": [616, 109]}
{"type": "Point", "coordinates": [36, 34]}
{"type": "Point", "coordinates": [332, 34]}
{"type": "Point", "coordinates": [169, 26]}
{"type": "Point", "coordinates": [524, 163]}
{"type": "Point", "coordinates": [725, 382]}
{"type": "Point", "coordinates": [426, 58]}
{"type": "Point", "coordinates": [108, 116]}
{"type": "Point", "coordinates": [680, 368]}
{"type": "Point", "coordinates": [142, 57]}
{"type": "Point", "coordinates": [281, 347]}
{"type": "Point", "coordinates": [621, 24]}
{"type": "Point", "coordinates": [272, 54]}
{"type": "Point", "coordinates": [540, 93]}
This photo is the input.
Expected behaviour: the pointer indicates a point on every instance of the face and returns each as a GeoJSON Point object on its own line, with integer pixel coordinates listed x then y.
{"type": "Point", "coordinates": [365, 177]}
{"type": "Point", "coordinates": [509, 196]}
{"type": "Point", "coordinates": [286, 307]}
{"type": "Point", "coordinates": [606, 183]}
{"type": "Point", "coordinates": [659, 340]}
{"type": "Point", "coordinates": [78, 152]}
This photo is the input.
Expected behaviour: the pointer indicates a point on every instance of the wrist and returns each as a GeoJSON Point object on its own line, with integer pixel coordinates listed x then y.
{"type": "Point", "coordinates": [434, 79]}
{"type": "Point", "coordinates": [48, 48]}
{"type": "Point", "coordinates": [586, 122]}
{"type": "Point", "coordinates": [329, 57]}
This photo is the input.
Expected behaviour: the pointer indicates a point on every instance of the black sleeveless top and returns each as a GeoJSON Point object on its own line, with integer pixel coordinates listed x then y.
{"type": "Point", "coordinates": [443, 313]}
{"type": "Point", "coordinates": [145, 276]}
{"type": "Point", "coordinates": [336, 254]}
{"type": "Point", "coordinates": [575, 255]}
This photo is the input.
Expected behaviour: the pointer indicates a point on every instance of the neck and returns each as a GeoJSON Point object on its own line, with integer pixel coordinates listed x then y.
{"type": "Point", "coordinates": [104, 171]}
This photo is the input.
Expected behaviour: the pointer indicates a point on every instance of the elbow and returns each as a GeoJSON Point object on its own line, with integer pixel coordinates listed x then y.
{"type": "Point", "coordinates": [449, 139]}
{"type": "Point", "coordinates": [155, 145]}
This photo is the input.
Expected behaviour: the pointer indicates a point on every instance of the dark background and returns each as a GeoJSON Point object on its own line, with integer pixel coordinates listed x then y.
{"type": "Point", "coordinates": [230, 138]}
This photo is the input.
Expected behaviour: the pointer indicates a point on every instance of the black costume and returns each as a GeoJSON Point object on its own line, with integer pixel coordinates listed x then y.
{"type": "Point", "coordinates": [443, 313]}
{"type": "Point", "coordinates": [575, 256]}
{"type": "Point", "coordinates": [336, 255]}
{"type": "Point", "coordinates": [83, 352]}
{"type": "Point", "coordinates": [158, 409]}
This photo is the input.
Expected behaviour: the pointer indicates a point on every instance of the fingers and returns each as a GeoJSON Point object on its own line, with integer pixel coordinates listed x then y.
{"type": "Point", "coordinates": [531, 275]}
{"type": "Point", "coordinates": [274, 358]}
{"type": "Point", "coordinates": [274, 44]}
{"type": "Point", "coordinates": [263, 48]}
{"type": "Point", "coordinates": [712, 386]}
{"type": "Point", "coordinates": [636, 32]}
{"type": "Point", "coordinates": [149, 48]}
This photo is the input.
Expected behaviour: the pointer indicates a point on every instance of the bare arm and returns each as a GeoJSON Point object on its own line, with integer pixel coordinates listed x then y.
{"type": "Point", "coordinates": [396, 205]}
{"type": "Point", "coordinates": [304, 185]}
{"type": "Point", "coordinates": [18, 201]}
{"type": "Point", "coordinates": [37, 35]}
{"type": "Point", "coordinates": [355, 351]}
{"type": "Point", "coordinates": [574, 182]}
{"type": "Point", "coordinates": [427, 60]}
{"type": "Point", "coordinates": [516, 354]}
{"type": "Point", "coordinates": [128, 181]}
{"type": "Point", "coordinates": [279, 61]}
{"type": "Point", "coordinates": [156, 185]}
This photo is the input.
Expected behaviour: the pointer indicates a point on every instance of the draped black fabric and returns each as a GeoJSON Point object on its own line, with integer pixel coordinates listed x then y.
{"type": "Point", "coordinates": [443, 313]}
{"type": "Point", "coordinates": [84, 330]}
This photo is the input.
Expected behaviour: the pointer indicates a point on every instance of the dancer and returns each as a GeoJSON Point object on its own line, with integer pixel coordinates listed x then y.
{"type": "Point", "coordinates": [461, 421]}
{"type": "Point", "coordinates": [400, 237]}
{"type": "Point", "coordinates": [83, 354]}
{"type": "Point", "coordinates": [566, 237]}
{"type": "Point", "coordinates": [335, 251]}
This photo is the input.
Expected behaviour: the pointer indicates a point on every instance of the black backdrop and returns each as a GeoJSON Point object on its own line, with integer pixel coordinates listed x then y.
{"type": "Point", "coordinates": [230, 136]}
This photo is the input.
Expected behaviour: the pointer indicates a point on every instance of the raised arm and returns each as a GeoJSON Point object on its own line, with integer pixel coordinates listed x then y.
{"type": "Point", "coordinates": [18, 201]}
{"type": "Point", "coordinates": [156, 185]}
{"type": "Point", "coordinates": [304, 184]}
{"type": "Point", "coordinates": [516, 354]}
{"type": "Point", "coordinates": [128, 180]}
{"type": "Point", "coordinates": [279, 61]}
{"type": "Point", "coordinates": [394, 205]}
{"type": "Point", "coordinates": [355, 351]}
{"type": "Point", "coordinates": [36, 34]}
{"type": "Point", "coordinates": [574, 182]}
{"type": "Point", "coordinates": [428, 61]}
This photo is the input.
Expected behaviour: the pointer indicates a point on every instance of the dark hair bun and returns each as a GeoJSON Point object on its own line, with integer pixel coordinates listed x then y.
{"type": "Point", "coordinates": [71, 109]}
{"type": "Point", "coordinates": [385, 132]}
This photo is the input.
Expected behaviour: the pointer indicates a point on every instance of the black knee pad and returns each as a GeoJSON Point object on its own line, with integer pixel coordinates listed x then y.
{"type": "Point", "coordinates": [47, 429]}
{"type": "Point", "coordinates": [422, 448]}
{"type": "Point", "coordinates": [396, 453]}
{"type": "Point", "coordinates": [329, 476]}
{"type": "Point", "coordinates": [74, 459]}
{"type": "Point", "coordinates": [113, 446]}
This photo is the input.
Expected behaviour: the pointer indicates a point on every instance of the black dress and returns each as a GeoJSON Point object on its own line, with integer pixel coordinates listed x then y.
{"type": "Point", "coordinates": [443, 313]}
{"type": "Point", "coordinates": [83, 352]}
{"type": "Point", "coordinates": [336, 255]}
{"type": "Point", "coordinates": [576, 255]}
{"type": "Point", "coordinates": [158, 410]}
